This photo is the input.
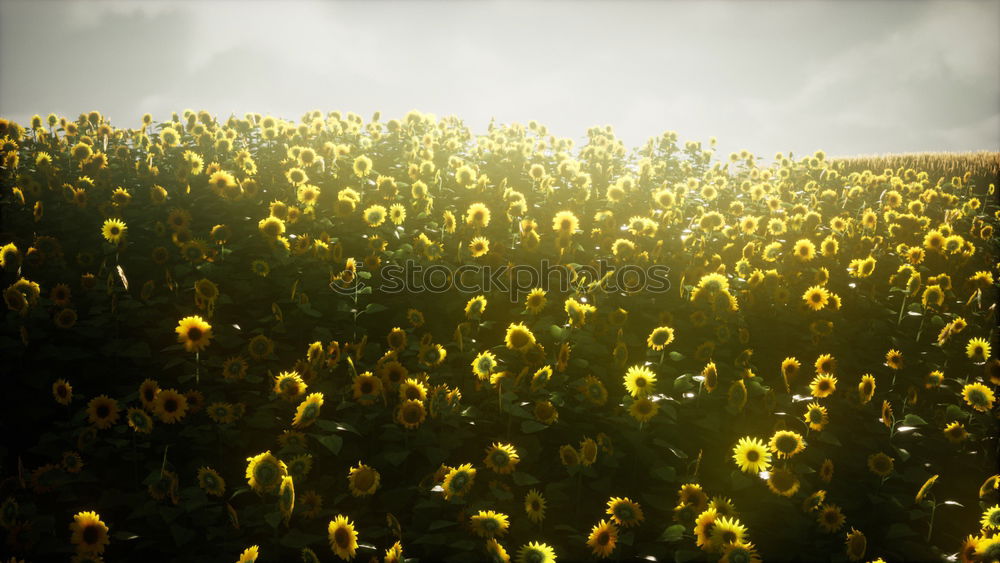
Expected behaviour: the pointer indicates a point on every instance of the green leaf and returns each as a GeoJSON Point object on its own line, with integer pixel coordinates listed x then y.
{"type": "Point", "coordinates": [913, 420]}
{"type": "Point", "coordinates": [676, 356]}
{"type": "Point", "coordinates": [331, 442]}
{"type": "Point", "coordinates": [665, 473]}
{"type": "Point", "coordinates": [396, 457]}
{"type": "Point", "coordinates": [899, 530]}
{"type": "Point", "coordinates": [532, 426]}
{"type": "Point", "coordinates": [673, 533]}
{"type": "Point", "coordinates": [524, 479]}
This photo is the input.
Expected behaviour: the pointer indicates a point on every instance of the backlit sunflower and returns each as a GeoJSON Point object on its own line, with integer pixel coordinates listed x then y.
{"type": "Point", "coordinates": [978, 396]}
{"type": "Point", "coordinates": [816, 416]}
{"type": "Point", "coordinates": [640, 381]}
{"type": "Point", "coordinates": [194, 333]}
{"type": "Point", "coordinates": [62, 391]}
{"type": "Point", "coordinates": [249, 554]}
{"type": "Point", "coordinates": [660, 338]}
{"type": "Point", "coordinates": [783, 482]}
{"type": "Point", "coordinates": [362, 480]}
{"type": "Point", "coordinates": [978, 350]}
{"type": "Point", "coordinates": [501, 458]}
{"type": "Point", "coordinates": [703, 525]}
{"type": "Point", "coordinates": [726, 531]}
{"type": "Point", "coordinates": [830, 518]}
{"type": "Point", "coordinates": [624, 512]}
{"type": "Point", "coordinates": [102, 412]}
{"type": "Point", "coordinates": [866, 388]}
{"type": "Point", "coordinates": [894, 359]}
{"type": "Point", "coordinates": [289, 385]}
{"type": "Point", "coordinates": [170, 406]}
{"type": "Point", "coordinates": [343, 538]}
{"type": "Point", "coordinates": [89, 533]}
{"type": "Point", "coordinates": [922, 492]}
{"type": "Point", "coordinates": [489, 524]}
{"type": "Point", "coordinates": [211, 482]}
{"type": "Point", "coordinates": [478, 216]}
{"type": "Point", "coordinates": [751, 455]}
{"type": "Point", "coordinates": [139, 420]}
{"type": "Point", "coordinates": [786, 443]}
{"type": "Point", "coordinates": [411, 413]}
{"type": "Point", "coordinates": [308, 411]}
{"type": "Point", "coordinates": [536, 552]}
{"type": "Point", "coordinates": [534, 506]}
{"type": "Point", "coordinates": [880, 464]}
{"type": "Point", "coordinates": [643, 409]}
{"type": "Point", "coordinates": [366, 388]}
{"type": "Point", "coordinates": [825, 364]}
{"type": "Point", "coordinates": [991, 518]}
{"type": "Point", "coordinates": [823, 386]}
{"type": "Point", "coordinates": [264, 472]}
{"type": "Point", "coordinates": [816, 297]}
{"type": "Point", "coordinates": [602, 539]}
{"type": "Point", "coordinates": [458, 481]}
{"type": "Point", "coordinates": [519, 337]}
{"type": "Point", "coordinates": [535, 301]}
{"type": "Point", "coordinates": [114, 230]}
{"type": "Point", "coordinates": [739, 552]}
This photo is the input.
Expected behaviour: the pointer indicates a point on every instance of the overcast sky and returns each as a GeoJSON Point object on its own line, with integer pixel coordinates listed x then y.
{"type": "Point", "coordinates": [849, 77]}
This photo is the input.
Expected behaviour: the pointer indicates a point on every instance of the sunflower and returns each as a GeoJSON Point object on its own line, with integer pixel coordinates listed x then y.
{"type": "Point", "coordinates": [856, 545]}
{"type": "Point", "coordinates": [726, 531]}
{"type": "Point", "coordinates": [955, 432]}
{"type": "Point", "coordinates": [264, 472]}
{"type": "Point", "coordinates": [739, 552]}
{"type": "Point", "coordinates": [816, 416]}
{"type": "Point", "coordinates": [813, 502]}
{"type": "Point", "coordinates": [366, 388]}
{"type": "Point", "coordinates": [501, 458]}
{"type": "Point", "coordinates": [624, 512]}
{"type": "Point", "coordinates": [783, 482]}
{"type": "Point", "coordinates": [660, 338]}
{"type": "Point", "coordinates": [602, 539]}
{"type": "Point", "coordinates": [62, 391]}
{"type": "Point", "coordinates": [535, 301]}
{"type": "Point", "coordinates": [211, 482]}
{"type": "Point", "coordinates": [114, 230]}
{"type": "Point", "coordinates": [816, 297]}
{"type": "Point", "coordinates": [825, 364]}
{"type": "Point", "coordinates": [478, 216]}
{"type": "Point", "coordinates": [568, 455]}
{"type": "Point", "coordinates": [194, 333]}
{"type": "Point", "coordinates": [565, 223]}
{"type": "Point", "coordinates": [170, 406]}
{"type": "Point", "coordinates": [458, 481]}
{"type": "Point", "coordinates": [823, 386]}
{"type": "Point", "coordinates": [489, 524]}
{"type": "Point", "coordinates": [519, 337]}
{"type": "Point", "coordinates": [866, 388]}
{"type": "Point", "coordinates": [925, 488]}
{"type": "Point", "coordinates": [988, 548]}
{"type": "Point", "coordinates": [786, 443]}
{"type": "Point", "coordinates": [991, 518]}
{"type": "Point", "coordinates": [536, 552]}
{"type": "Point", "coordinates": [534, 506]}
{"type": "Point", "coordinates": [90, 535]}
{"type": "Point", "coordinates": [363, 480]}
{"type": "Point", "coordinates": [479, 246]}
{"type": "Point", "coordinates": [804, 250]}
{"type": "Point", "coordinates": [830, 517]}
{"type": "Point", "coordinates": [249, 554]}
{"type": "Point", "coordinates": [703, 525]}
{"type": "Point", "coordinates": [751, 455]}
{"type": "Point", "coordinates": [343, 538]}
{"type": "Point", "coordinates": [894, 359]}
{"type": "Point", "coordinates": [475, 307]}
{"type": "Point", "coordinates": [289, 385]}
{"type": "Point", "coordinates": [102, 412]}
{"type": "Point", "coordinates": [640, 381]}
{"type": "Point", "coordinates": [978, 396]}
{"type": "Point", "coordinates": [308, 411]}
{"type": "Point", "coordinates": [643, 409]}
{"type": "Point", "coordinates": [411, 413]}
{"type": "Point", "coordinates": [991, 482]}
{"type": "Point", "coordinates": [139, 420]}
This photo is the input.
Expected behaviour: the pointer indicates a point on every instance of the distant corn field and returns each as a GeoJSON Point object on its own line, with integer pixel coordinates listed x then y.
{"type": "Point", "coordinates": [982, 167]}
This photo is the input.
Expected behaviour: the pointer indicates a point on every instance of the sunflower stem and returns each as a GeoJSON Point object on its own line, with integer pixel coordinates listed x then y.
{"type": "Point", "coordinates": [930, 528]}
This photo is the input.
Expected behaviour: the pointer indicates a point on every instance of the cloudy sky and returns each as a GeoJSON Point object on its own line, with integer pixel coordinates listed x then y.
{"type": "Point", "coordinates": [849, 77]}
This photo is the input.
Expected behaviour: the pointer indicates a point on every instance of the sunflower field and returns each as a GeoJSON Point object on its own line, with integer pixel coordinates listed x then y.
{"type": "Point", "coordinates": [208, 352]}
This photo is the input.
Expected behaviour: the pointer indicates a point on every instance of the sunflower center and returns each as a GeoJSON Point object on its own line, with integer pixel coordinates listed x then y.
{"type": "Point", "coordinates": [603, 538]}
{"type": "Point", "coordinates": [103, 411]}
{"type": "Point", "coordinates": [411, 415]}
{"type": "Point", "coordinates": [728, 537]}
{"type": "Point", "coordinates": [91, 534]}
{"type": "Point", "coordinates": [364, 480]}
{"type": "Point", "coordinates": [170, 405]}
{"type": "Point", "coordinates": [194, 333]}
{"type": "Point", "coordinates": [341, 536]}
{"type": "Point", "coordinates": [753, 455]}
